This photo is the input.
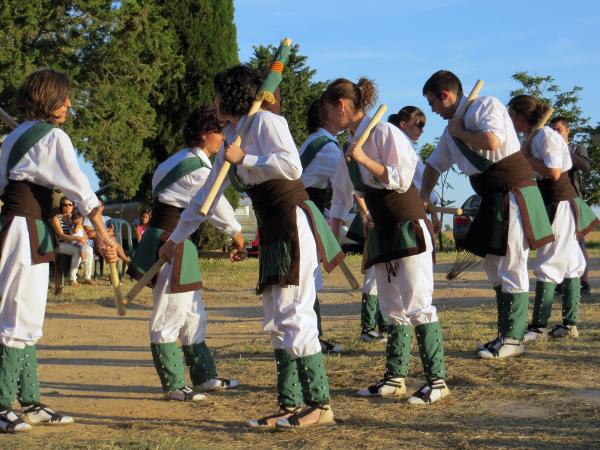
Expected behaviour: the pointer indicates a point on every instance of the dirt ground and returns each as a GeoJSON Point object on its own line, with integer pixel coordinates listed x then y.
{"type": "Point", "coordinates": [97, 367]}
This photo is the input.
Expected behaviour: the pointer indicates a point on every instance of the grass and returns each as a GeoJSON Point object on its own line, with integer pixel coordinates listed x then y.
{"type": "Point", "coordinates": [97, 367]}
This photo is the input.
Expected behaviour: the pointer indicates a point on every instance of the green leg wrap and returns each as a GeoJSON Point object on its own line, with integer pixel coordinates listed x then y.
{"type": "Point", "coordinates": [571, 297]}
{"type": "Point", "coordinates": [11, 360]}
{"type": "Point", "coordinates": [313, 376]}
{"type": "Point", "coordinates": [368, 312]}
{"type": "Point", "coordinates": [499, 306]}
{"type": "Point", "coordinates": [542, 305]}
{"type": "Point", "coordinates": [289, 390]}
{"type": "Point", "coordinates": [431, 348]}
{"type": "Point", "coordinates": [317, 308]}
{"type": "Point", "coordinates": [200, 361]}
{"type": "Point", "coordinates": [29, 385]}
{"type": "Point", "coordinates": [169, 365]}
{"type": "Point", "coordinates": [515, 308]}
{"type": "Point", "coordinates": [398, 350]}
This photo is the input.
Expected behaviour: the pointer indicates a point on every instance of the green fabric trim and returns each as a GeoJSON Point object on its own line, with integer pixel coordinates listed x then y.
{"type": "Point", "coordinates": [11, 360]}
{"type": "Point", "coordinates": [44, 233]}
{"type": "Point", "coordinates": [370, 314]}
{"type": "Point", "coordinates": [536, 210]}
{"type": "Point", "coordinates": [169, 365]}
{"type": "Point", "coordinates": [29, 385]}
{"type": "Point", "coordinates": [289, 390]}
{"type": "Point", "coordinates": [586, 219]}
{"type": "Point", "coordinates": [355, 177]}
{"type": "Point", "coordinates": [235, 180]}
{"type": "Point", "coordinates": [542, 304]}
{"type": "Point", "coordinates": [385, 243]}
{"type": "Point", "coordinates": [147, 254]}
{"type": "Point", "coordinates": [478, 161]}
{"type": "Point", "coordinates": [24, 143]}
{"type": "Point", "coordinates": [431, 348]}
{"type": "Point", "coordinates": [317, 309]}
{"type": "Point", "coordinates": [200, 362]}
{"type": "Point", "coordinates": [571, 298]}
{"type": "Point", "coordinates": [273, 78]}
{"type": "Point", "coordinates": [183, 168]}
{"type": "Point", "coordinates": [398, 350]}
{"type": "Point", "coordinates": [312, 149]}
{"type": "Point", "coordinates": [515, 308]}
{"type": "Point", "coordinates": [313, 377]}
{"type": "Point", "coordinates": [323, 232]}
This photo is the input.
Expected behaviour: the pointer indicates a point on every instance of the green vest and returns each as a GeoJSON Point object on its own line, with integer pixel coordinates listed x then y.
{"type": "Point", "coordinates": [312, 149]}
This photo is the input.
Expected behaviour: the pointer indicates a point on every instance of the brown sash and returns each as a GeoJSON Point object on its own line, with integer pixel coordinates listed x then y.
{"type": "Point", "coordinates": [501, 176]}
{"type": "Point", "coordinates": [387, 207]}
{"type": "Point", "coordinates": [557, 191]}
{"type": "Point", "coordinates": [165, 216]}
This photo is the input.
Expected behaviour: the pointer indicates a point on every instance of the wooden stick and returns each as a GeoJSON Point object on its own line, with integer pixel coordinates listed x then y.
{"type": "Point", "coordinates": [367, 131]}
{"type": "Point", "coordinates": [461, 110]}
{"type": "Point", "coordinates": [114, 279]}
{"type": "Point", "coordinates": [348, 274]}
{"type": "Point", "coordinates": [8, 119]}
{"type": "Point", "coordinates": [150, 273]}
{"type": "Point", "coordinates": [214, 190]}
{"type": "Point", "coordinates": [445, 210]}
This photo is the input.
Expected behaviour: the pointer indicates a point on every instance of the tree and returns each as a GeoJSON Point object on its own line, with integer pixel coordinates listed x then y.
{"type": "Point", "coordinates": [298, 90]}
{"type": "Point", "coordinates": [443, 183]}
{"type": "Point", "coordinates": [566, 104]}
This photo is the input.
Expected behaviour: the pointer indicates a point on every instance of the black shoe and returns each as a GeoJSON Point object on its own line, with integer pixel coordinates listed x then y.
{"type": "Point", "coordinates": [585, 288]}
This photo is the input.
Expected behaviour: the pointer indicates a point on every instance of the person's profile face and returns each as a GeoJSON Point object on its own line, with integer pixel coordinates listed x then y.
{"type": "Point", "coordinates": [61, 114]}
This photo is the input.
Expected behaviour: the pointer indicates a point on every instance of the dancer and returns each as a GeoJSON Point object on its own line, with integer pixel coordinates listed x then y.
{"type": "Point", "coordinates": [293, 237]}
{"type": "Point", "coordinates": [511, 218]}
{"type": "Point", "coordinates": [399, 246]}
{"type": "Point", "coordinates": [561, 260]}
{"type": "Point", "coordinates": [36, 157]}
{"type": "Point", "coordinates": [178, 308]}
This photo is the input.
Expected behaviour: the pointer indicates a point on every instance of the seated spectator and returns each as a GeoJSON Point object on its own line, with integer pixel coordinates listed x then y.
{"type": "Point", "coordinates": [61, 223]}
{"type": "Point", "coordinates": [143, 224]}
{"type": "Point", "coordinates": [110, 229]}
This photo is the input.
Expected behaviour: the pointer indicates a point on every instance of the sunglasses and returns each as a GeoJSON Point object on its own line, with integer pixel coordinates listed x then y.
{"type": "Point", "coordinates": [420, 125]}
{"type": "Point", "coordinates": [64, 205]}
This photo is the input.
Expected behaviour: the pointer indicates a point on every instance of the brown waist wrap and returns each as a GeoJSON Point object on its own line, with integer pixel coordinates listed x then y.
{"type": "Point", "coordinates": [387, 207]}
{"type": "Point", "coordinates": [275, 204]}
{"type": "Point", "coordinates": [165, 216]}
{"type": "Point", "coordinates": [34, 202]}
{"type": "Point", "coordinates": [488, 233]}
{"type": "Point", "coordinates": [557, 191]}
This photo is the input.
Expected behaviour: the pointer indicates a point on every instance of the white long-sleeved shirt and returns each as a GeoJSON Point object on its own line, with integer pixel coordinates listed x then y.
{"type": "Point", "coordinates": [434, 198]}
{"type": "Point", "coordinates": [322, 168]}
{"type": "Point", "coordinates": [549, 147]}
{"type": "Point", "coordinates": [388, 146]}
{"type": "Point", "coordinates": [485, 114]}
{"type": "Point", "coordinates": [179, 193]}
{"type": "Point", "coordinates": [270, 154]}
{"type": "Point", "coordinates": [51, 163]}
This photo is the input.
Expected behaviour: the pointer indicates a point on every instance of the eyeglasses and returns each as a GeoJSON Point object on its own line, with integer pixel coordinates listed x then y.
{"type": "Point", "coordinates": [64, 205]}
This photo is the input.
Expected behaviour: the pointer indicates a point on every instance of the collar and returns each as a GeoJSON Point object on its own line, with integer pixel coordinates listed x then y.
{"type": "Point", "coordinates": [324, 132]}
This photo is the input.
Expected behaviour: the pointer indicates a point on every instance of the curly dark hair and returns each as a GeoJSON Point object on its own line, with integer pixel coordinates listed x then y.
{"type": "Point", "coordinates": [201, 120]}
{"type": "Point", "coordinates": [42, 93]}
{"type": "Point", "coordinates": [237, 88]}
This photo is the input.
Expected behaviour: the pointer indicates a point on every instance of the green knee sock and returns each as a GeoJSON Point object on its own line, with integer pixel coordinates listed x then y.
{"type": "Point", "coordinates": [368, 312]}
{"type": "Point", "coordinates": [571, 298]}
{"type": "Point", "coordinates": [431, 348]}
{"type": "Point", "coordinates": [313, 376]}
{"type": "Point", "coordinates": [499, 306]}
{"type": "Point", "coordinates": [515, 308]}
{"type": "Point", "coordinates": [200, 361]}
{"type": "Point", "coordinates": [289, 388]}
{"type": "Point", "coordinates": [317, 308]}
{"type": "Point", "coordinates": [398, 350]}
{"type": "Point", "coordinates": [29, 385]}
{"type": "Point", "coordinates": [542, 304]}
{"type": "Point", "coordinates": [11, 360]}
{"type": "Point", "coordinates": [169, 365]}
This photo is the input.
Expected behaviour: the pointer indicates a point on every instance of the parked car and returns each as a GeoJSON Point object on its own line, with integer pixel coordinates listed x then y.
{"type": "Point", "coordinates": [462, 223]}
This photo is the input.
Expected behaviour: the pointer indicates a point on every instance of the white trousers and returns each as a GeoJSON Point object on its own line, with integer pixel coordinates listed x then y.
{"type": "Point", "coordinates": [369, 282]}
{"type": "Point", "coordinates": [23, 289]}
{"type": "Point", "coordinates": [510, 271]}
{"type": "Point", "coordinates": [180, 315]}
{"type": "Point", "coordinates": [67, 248]}
{"type": "Point", "coordinates": [288, 311]}
{"type": "Point", "coordinates": [406, 298]}
{"type": "Point", "coordinates": [562, 258]}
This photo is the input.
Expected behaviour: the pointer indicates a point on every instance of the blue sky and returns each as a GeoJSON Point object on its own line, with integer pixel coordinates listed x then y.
{"type": "Point", "coordinates": [399, 44]}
